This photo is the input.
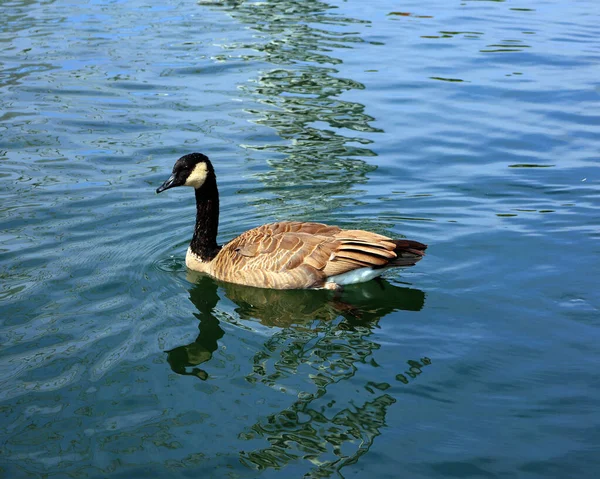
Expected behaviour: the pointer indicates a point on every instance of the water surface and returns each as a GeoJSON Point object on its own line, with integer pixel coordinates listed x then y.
{"type": "Point", "coordinates": [469, 125]}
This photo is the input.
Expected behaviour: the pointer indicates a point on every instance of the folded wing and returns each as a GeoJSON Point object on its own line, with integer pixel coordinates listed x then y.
{"type": "Point", "coordinates": [289, 255]}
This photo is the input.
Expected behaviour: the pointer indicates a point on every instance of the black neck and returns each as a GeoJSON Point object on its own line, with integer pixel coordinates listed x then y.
{"type": "Point", "coordinates": [204, 241]}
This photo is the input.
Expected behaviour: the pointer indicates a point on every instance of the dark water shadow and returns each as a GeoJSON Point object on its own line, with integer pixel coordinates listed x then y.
{"type": "Point", "coordinates": [359, 306]}
{"type": "Point", "coordinates": [320, 339]}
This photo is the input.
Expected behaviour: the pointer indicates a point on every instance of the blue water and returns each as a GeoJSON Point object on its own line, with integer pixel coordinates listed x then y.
{"type": "Point", "coordinates": [471, 126]}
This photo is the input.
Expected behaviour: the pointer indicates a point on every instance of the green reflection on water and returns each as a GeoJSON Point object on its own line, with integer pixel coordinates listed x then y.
{"type": "Point", "coordinates": [315, 161]}
{"type": "Point", "coordinates": [323, 338]}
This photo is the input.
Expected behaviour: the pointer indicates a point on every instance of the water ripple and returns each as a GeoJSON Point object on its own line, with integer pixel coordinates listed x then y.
{"type": "Point", "coordinates": [468, 125]}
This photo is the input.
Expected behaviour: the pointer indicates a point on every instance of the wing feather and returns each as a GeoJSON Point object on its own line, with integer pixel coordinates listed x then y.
{"type": "Point", "coordinates": [292, 254]}
{"type": "Point", "coordinates": [368, 249]}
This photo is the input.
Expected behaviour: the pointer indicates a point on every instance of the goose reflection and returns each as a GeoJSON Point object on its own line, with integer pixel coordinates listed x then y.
{"type": "Point", "coordinates": [358, 306]}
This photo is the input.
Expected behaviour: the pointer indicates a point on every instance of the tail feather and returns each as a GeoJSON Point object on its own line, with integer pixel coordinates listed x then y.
{"type": "Point", "coordinates": [408, 252]}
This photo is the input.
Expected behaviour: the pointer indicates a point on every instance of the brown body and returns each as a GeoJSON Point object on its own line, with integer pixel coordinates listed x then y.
{"type": "Point", "coordinates": [285, 255]}
{"type": "Point", "coordinates": [295, 255]}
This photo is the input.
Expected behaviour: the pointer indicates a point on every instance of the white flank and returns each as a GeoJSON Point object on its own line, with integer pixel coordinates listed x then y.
{"type": "Point", "coordinates": [359, 275]}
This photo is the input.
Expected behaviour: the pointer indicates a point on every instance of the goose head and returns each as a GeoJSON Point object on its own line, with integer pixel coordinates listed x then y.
{"type": "Point", "coordinates": [189, 170]}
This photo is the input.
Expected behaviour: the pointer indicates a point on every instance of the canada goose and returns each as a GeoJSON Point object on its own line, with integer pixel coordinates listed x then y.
{"type": "Point", "coordinates": [284, 255]}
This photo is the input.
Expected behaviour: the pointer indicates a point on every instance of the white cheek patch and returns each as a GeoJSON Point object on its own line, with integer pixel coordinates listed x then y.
{"type": "Point", "coordinates": [197, 176]}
